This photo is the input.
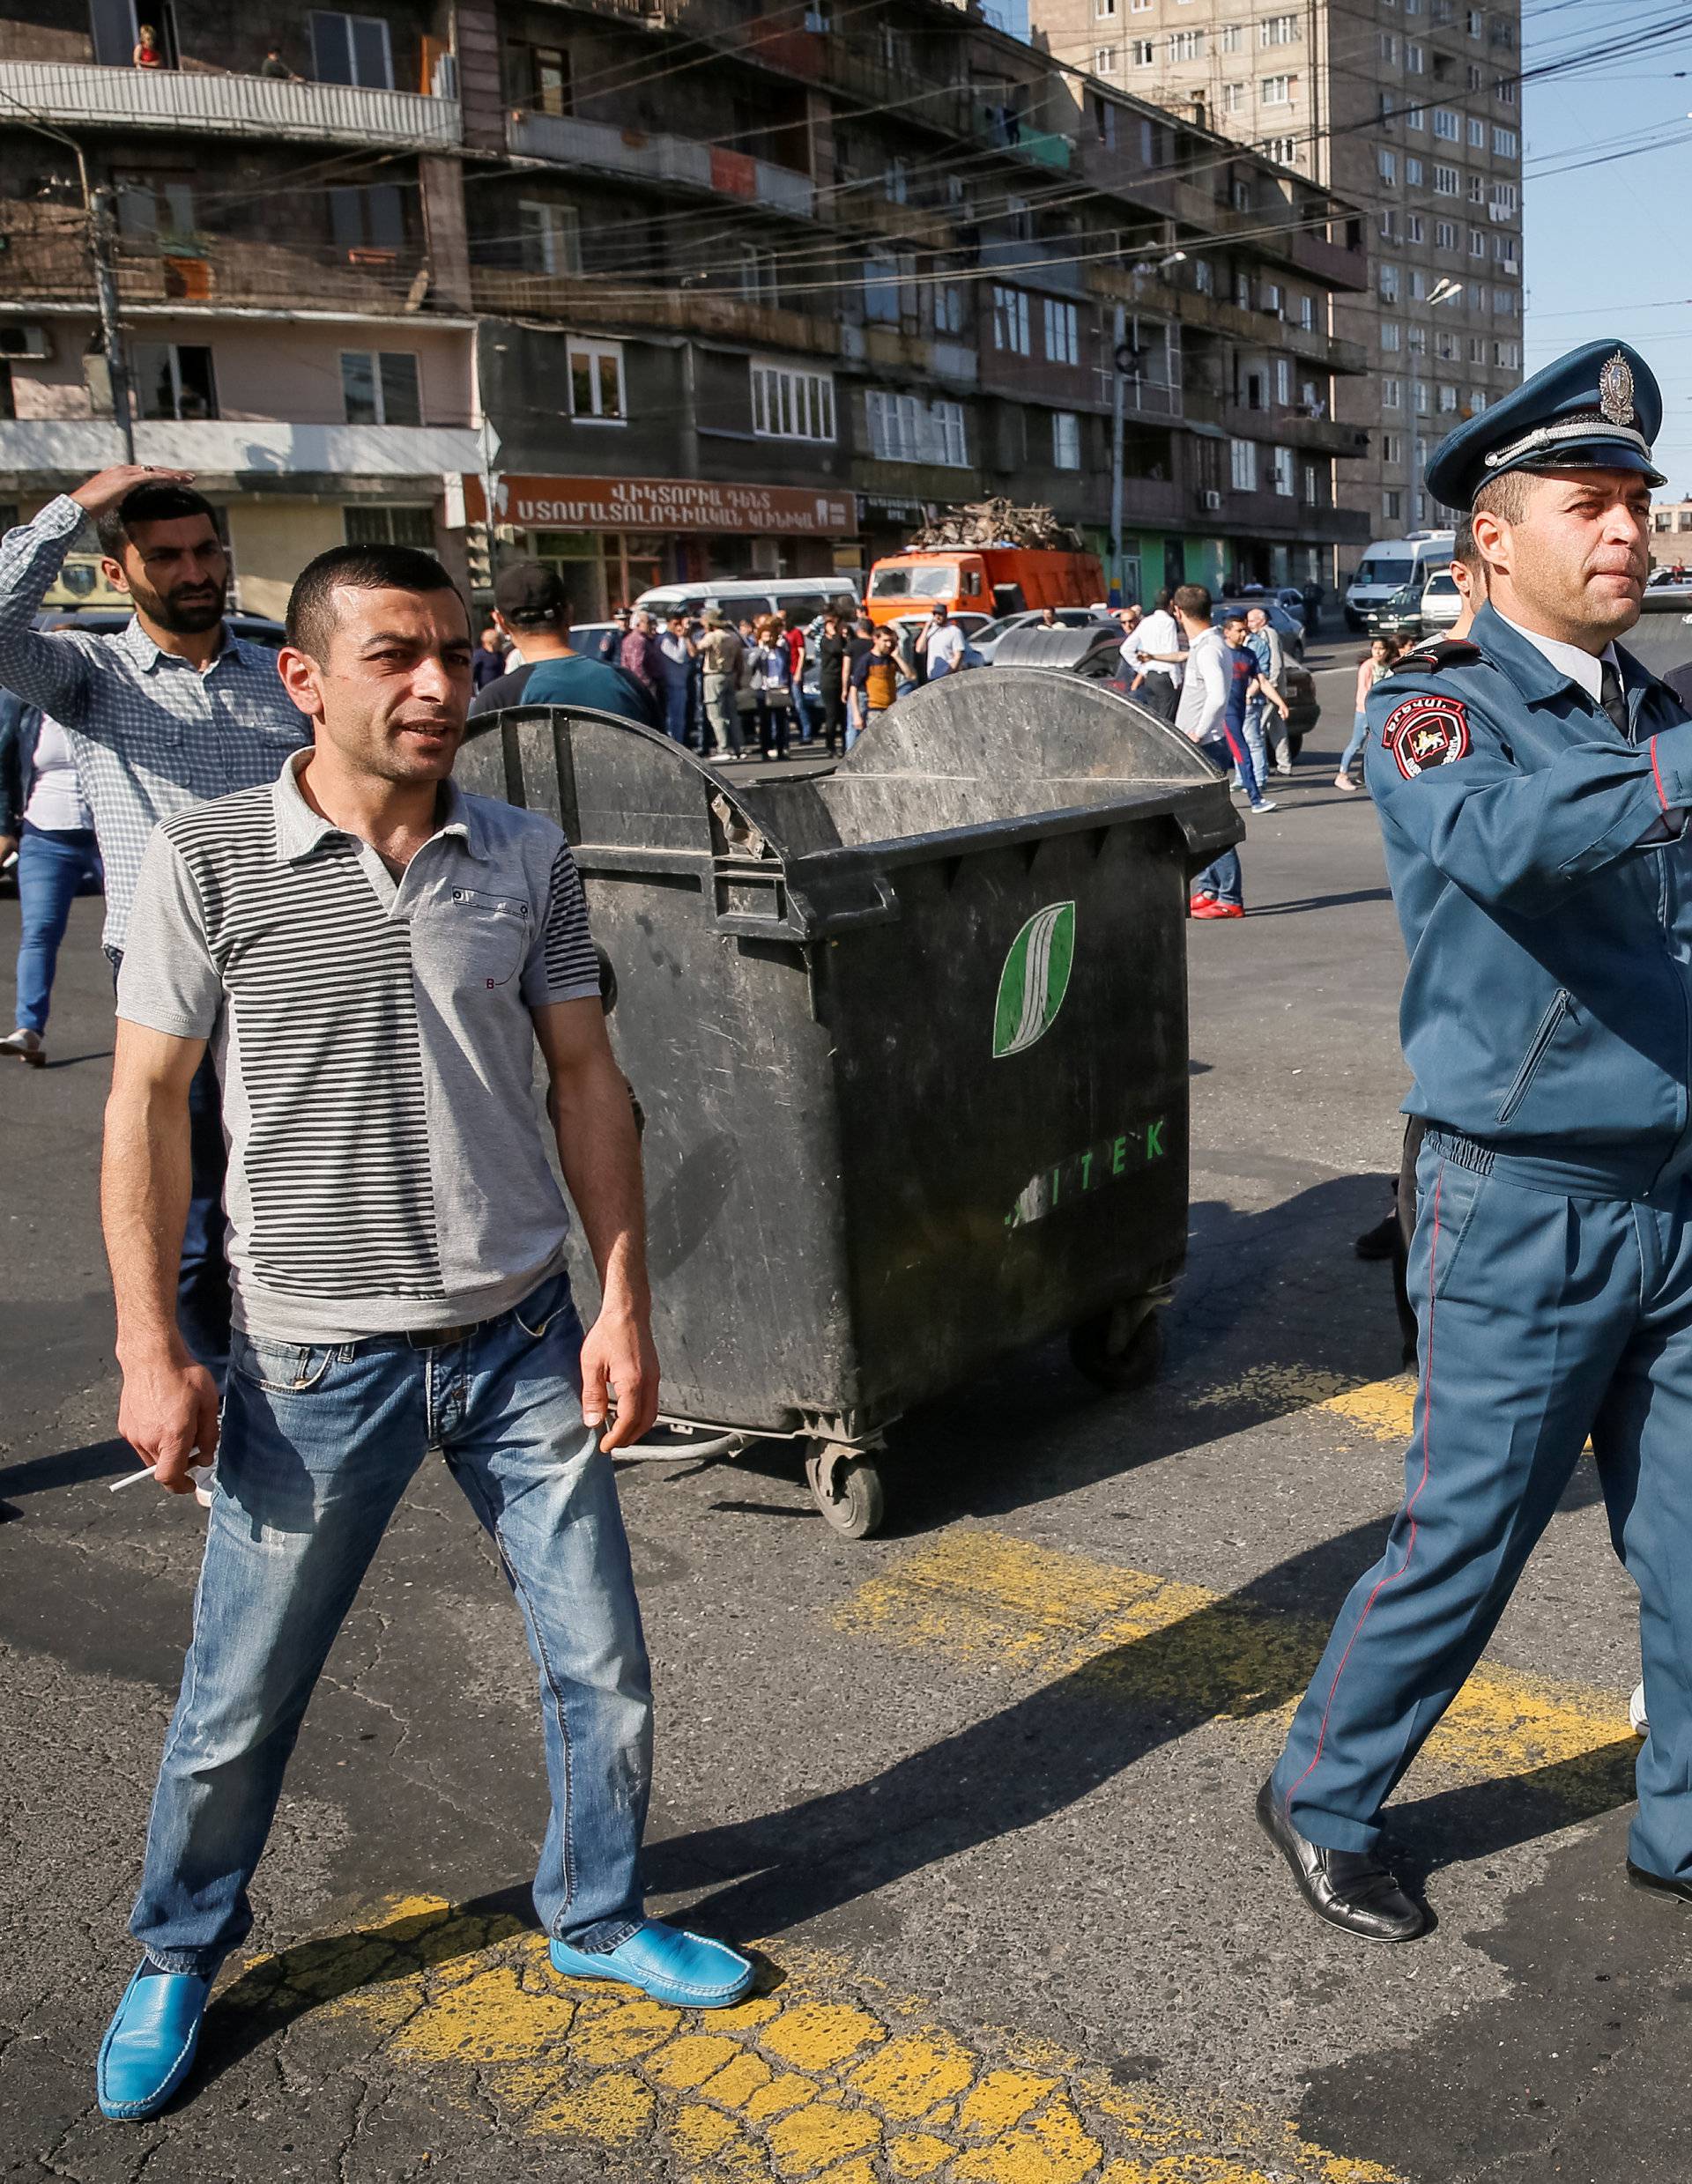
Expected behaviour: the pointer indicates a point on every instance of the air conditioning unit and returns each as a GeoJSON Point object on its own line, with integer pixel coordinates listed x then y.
{"type": "Point", "coordinates": [17, 340]}
{"type": "Point", "coordinates": [1213, 499]}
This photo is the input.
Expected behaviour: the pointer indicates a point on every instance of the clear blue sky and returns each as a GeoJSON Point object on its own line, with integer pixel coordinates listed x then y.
{"type": "Point", "coordinates": [1606, 247]}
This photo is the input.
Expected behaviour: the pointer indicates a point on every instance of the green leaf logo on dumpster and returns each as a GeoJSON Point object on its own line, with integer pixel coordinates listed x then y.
{"type": "Point", "coordinates": [1034, 980]}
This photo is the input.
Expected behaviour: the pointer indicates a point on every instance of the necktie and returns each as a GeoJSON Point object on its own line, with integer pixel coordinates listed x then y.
{"type": "Point", "coordinates": [1614, 702]}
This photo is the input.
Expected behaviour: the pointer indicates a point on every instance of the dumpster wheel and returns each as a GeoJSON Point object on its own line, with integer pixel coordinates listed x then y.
{"type": "Point", "coordinates": [846, 1485]}
{"type": "Point", "coordinates": [1121, 1349]}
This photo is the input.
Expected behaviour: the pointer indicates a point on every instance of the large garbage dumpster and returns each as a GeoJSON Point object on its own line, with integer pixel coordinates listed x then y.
{"type": "Point", "coordinates": [910, 1039]}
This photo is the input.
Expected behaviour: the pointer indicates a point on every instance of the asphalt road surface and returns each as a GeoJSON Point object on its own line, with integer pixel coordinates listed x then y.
{"type": "Point", "coordinates": [978, 1792]}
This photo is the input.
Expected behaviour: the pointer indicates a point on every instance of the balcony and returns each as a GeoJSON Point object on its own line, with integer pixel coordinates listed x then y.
{"type": "Point", "coordinates": [228, 106]}
{"type": "Point", "coordinates": [1263, 328]}
{"type": "Point", "coordinates": [42, 265]}
{"type": "Point", "coordinates": [1288, 428]}
{"type": "Point", "coordinates": [218, 448]}
{"type": "Point", "coordinates": [588, 302]}
{"type": "Point", "coordinates": [865, 210]}
{"type": "Point", "coordinates": [1282, 516]}
{"type": "Point", "coordinates": [567, 140]}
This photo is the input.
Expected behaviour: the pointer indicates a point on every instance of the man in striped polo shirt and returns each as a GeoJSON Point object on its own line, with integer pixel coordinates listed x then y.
{"type": "Point", "coordinates": [372, 955]}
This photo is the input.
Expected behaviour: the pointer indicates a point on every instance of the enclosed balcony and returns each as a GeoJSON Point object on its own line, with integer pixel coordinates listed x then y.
{"type": "Point", "coordinates": [205, 103]}
{"type": "Point", "coordinates": [607, 149]}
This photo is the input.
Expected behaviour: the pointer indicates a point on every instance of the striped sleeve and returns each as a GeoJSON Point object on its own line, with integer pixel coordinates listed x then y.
{"type": "Point", "coordinates": [167, 980]}
{"type": "Point", "coordinates": [561, 965]}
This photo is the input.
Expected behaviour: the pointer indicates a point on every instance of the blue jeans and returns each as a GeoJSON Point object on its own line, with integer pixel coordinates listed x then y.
{"type": "Point", "coordinates": [675, 694]}
{"type": "Point", "coordinates": [1240, 751]}
{"type": "Point", "coordinates": [1222, 877]}
{"type": "Point", "coordinates": [1354, 748]}
{"type": "Point", "coordinates": [319, 1443]}
{"type": "Point", "coordinates": [53, 869]}
{"type": "Point", "coordinates": [804, 704]}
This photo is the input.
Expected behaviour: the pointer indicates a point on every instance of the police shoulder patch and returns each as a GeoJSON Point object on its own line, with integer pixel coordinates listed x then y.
{"type": "Point", "coordinates": [1429, 730]}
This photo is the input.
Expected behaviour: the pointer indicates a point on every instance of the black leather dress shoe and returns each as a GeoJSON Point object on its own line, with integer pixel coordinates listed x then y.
{"type": "Point", "coordinates": [1347, 1888]}
{"type": "Point", "coordinates": [1640, 1876]}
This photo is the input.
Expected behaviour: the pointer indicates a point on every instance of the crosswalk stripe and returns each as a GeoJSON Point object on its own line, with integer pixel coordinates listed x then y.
{"type": "Point", "coordinates": [983, 1599]}
{"type": "Point", "coordinates": [1384, 1408]}
{"type": "Point", "coordinates": [832, 2078]}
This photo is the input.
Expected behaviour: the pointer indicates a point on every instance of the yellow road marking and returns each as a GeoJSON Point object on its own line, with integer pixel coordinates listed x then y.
{"type": "Point", "coordinates": [1383, 1408]}
{"type": "Point", "coordinates": [981, 1599]}
{"type": "Point", "coordinates": [832, 2078]}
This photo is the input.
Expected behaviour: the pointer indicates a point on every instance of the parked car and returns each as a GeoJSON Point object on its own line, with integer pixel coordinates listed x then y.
{"type": "Point", "coordinates": [256, 629]}
{"type": "Point", "coordinates": [985, 639]}
{"type": "Point", "coordinates": [589, 636]}
{"type": "Point", "coordinates": [1398, 615]}
{"type": "Point", "coordinates": [1287, 626]}
{"type": "Point", "coordinates": [1441, 603]}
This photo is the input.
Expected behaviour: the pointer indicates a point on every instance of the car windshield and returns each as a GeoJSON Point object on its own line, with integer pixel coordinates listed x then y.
{"type": "Point", "coordinates": [1442, 587]}
{"type": "Point", "coordinates": [1384, 569]}
{"type": "Point", "coordinates": [924, 580]}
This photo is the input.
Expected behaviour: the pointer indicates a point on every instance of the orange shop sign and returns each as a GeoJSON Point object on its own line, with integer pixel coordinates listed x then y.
{"type": "Point", "coordinates": [659, 504]}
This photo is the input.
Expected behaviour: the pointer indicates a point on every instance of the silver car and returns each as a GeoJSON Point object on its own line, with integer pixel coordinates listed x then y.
{"type": "Point", "coordinates": [1441, 603]}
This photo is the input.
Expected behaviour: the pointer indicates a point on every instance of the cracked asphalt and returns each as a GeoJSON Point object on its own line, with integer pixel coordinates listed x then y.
{"type": "Point", "coordinates": [977, 1792]}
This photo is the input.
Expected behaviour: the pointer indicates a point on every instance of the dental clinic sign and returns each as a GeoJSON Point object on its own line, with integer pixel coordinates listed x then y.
{"type": "Point", "coordinates": [659, 504]}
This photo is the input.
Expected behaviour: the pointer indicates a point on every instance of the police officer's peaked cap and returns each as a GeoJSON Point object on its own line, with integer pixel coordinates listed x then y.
{"type": "Point", "coordinates": [1597, 408]}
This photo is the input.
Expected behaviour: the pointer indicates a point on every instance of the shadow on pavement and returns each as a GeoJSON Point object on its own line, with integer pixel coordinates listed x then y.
{"type": "Point", "coordinates": [74, 1467]}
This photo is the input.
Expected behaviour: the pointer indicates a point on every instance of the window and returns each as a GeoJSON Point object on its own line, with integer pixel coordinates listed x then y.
{"type": "Point", "coordinates": [1390, 48]}
{"type": "Point", "coordinates": [1392, 334]}
{"type": "Point", "coordinates": [1063, 332]}
{"type": "Point", "coordinates": [896, 181]}
{"type": "Point", "coordinates": [1501, 201]}
{"type": "Point", "coordinates": [950, 308]}
{"type": "Point", "coordinates": [8, 410]}
{"type": "Point", "coordinates": [1477, 399]}
{"type": "Point", "coordinates": [1311, 495]}
{"type": "Point", "coordinates": [1204, 278]}
{"type": "Point", "coordinates": [1477, 189]}
{"type": "Point", "coordinates": [596, 369]}
{"type": "Point", "coordinates": [380, 387]}
{"type": "Point", "coordinates": [154, 208]}
{"type": "Point", "coordinates": [1418, 284]}
{"type": "Point", "coordinates": [1232, 40]}
{"type": "Point", "coordinates": [367, 224]}
{"type": "Point", "coordinates": [1477, 348]}
{"type": "Point", "coordinates": [1282, 148]}
{"type": "Point", "coordinates": [1447, 181]}
{"type": "Point", "coordinates": [1234, 98]}
{"type": "Point", "coordinates": [1475, 76]}
{"type": "Point", "coordinates": [389, 526]}
{"type": "Point", "coordinates": [172, 380]}
{"type": "Point", "coordinates": [1277, 30]}
{"type": "Point", "coordinates": [1104, 61]}
{"type": "Point", "coordinates": [789, 404]}
{"type": "Point", "coordinates": [1105, 9]}
{"type": "Point", "coordinates": [1391, 446]}
{"type": "Point", "coordinates": [1415, 117]}
{"type": "Point", "coordinates": [904, 428]}
{"type": "Point", "coordinates": [1415, 58]}
{"type": "Point", "coordinates": [1271, 297]}
{"type": "Point", "coordinates": [1388, 164]}
{"type": "Point", "coordinates": [1392, 506]}
{"type": "Point", "coordinates": [1503, 248]}
{"type": "Point", "coordinates": [1186, 45]}
{"type": "Point", "coordinates": [1476, 22]}
{"type": "Point", "coordinates": [1389, 224]}
{"type": "Point", "coordinates": [551, 237]}
{"type": "Point", "coordinates": [1447, 400]}
{"type": "Point", "coordinates": [1281, 471]}
{"type": "Point", "coordinates": [351, 49]}
{"type": "Point", "coordinates": [1284, 381]}
{"type": "Point", "coordinates": [1243, 465]}
{"type": "Point", "coordinates": [1306, 314]}
{"type": "Point", "coordinates": [1065, 440]}
{"type": "Point", "coordinates": [1276, 91]}
{"type": "Point", "coordinates": [1421, 397]}
{"type": "Point", "coordinates": [1241, 291]}
{"type": "Point", "coordinates": [540, 77]}
{"type": "Point", "coordinates": [1503, 302]}
{"type": "Point", "coordinates": [1445, 235]}
{"type": "Point", "coordinates": [1504, 91]}
{"type": "Point", "coordinates": [1142, 53]}
{"type": "Point", "coordinates": [1477, 243]}
{"type": "Point", "coordinates": [1447, 125]}
{"type": "Point", "coordinates": [1389, 283]}
{"type": "Point", "coordinates": [1507, 355]}
{"type": "Point", "coordinates": [883, 291]}
{"type": "Point", "coordinates": [1505, 142]}
{"type": "Point", "coordinates": [1011, 322]}
{"type": "Point", "coordinates": [1414, 228]}
{"type": "Point", "coordinates": [1477, 133]}
{"type": "Point", "coordinates": [1413, 170]}
{"type": "Point", "coordinates": [1446, 346]}
{"type": "Point", "coordinates": [1391, 394]}
{"type": "Point", "coordinates": [1417, 344]}
{"type": "Point", "coordinates": [759, 280]}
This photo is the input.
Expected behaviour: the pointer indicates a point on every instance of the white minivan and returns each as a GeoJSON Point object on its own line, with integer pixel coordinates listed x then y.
{"type": "Point", "coordinates": [797, 599]}
{"type": "Point", "coordinates": [1388, 563]}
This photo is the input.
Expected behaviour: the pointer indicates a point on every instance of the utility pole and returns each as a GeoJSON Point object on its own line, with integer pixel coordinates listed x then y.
{"type": "Point", "coordinates": [1118, 341]}
{"type": "Point", "coordinates": [100, 206]}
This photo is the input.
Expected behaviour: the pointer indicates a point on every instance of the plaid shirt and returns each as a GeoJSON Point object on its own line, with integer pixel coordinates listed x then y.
{"type": "Point", "coordinates": [151, 734]}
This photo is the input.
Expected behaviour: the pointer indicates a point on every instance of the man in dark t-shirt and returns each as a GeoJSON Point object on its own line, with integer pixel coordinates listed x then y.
{"type": "Point", "coordinates": [533, 611]}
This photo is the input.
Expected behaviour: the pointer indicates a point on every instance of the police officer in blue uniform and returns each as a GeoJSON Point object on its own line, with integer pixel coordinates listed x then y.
{"type": "Point", "coordinates": [1532, 785]}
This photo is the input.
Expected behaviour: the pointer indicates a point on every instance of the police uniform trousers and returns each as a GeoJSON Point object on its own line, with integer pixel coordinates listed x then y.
{"type": "Point", "coordinates": [1546, 1314]}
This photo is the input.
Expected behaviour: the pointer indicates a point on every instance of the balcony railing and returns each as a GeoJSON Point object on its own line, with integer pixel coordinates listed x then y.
{"type": "Point", "coordinates": [218, 447]}
{"type": "Point", "coordinates": [1266, 330]}
{"type": "Point", "coordinates": [242, 106]}
{"type": "Point", "coordinates": [588, 302]}
{"type": "Point", "coordinates": [52, 266]}
{"type": "Point", "coordinates": [572, 140]}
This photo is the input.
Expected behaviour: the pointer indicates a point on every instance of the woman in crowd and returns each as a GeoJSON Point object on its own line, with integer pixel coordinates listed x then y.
{"type": "Point", "coordinates": [772, 684]}
{"type": "Point", "coordinates": [1376, 662]}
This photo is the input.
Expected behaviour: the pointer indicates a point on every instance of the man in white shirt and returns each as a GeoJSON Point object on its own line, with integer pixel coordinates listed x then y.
{"type": "Point", "coordinates": [1218, 892]}
{"type": "Point", "coordinates": [1154, 652]}
{"type": "Point", "coordinates": [940, 644]}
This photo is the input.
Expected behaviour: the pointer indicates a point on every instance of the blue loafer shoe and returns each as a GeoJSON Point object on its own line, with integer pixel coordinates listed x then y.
{"type": "Point", "coordinates": [149, 2046]}
{"type": "Point", "coordinates": [667, 1963]}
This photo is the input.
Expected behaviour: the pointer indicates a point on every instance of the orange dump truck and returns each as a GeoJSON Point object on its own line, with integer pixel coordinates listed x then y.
{"type": "Point", "coordinates": [982, 580]}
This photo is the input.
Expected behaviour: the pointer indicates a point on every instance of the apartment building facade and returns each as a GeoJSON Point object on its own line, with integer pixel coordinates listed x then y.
{"type": "Point", "coordinates": [688, 290]}
{"type": "Point", "coordinates": [1408, 109]}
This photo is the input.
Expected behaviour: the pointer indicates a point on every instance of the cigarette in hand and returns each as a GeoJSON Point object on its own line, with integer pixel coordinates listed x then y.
{"type": "Point", "coordinates": [198, 1472]}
